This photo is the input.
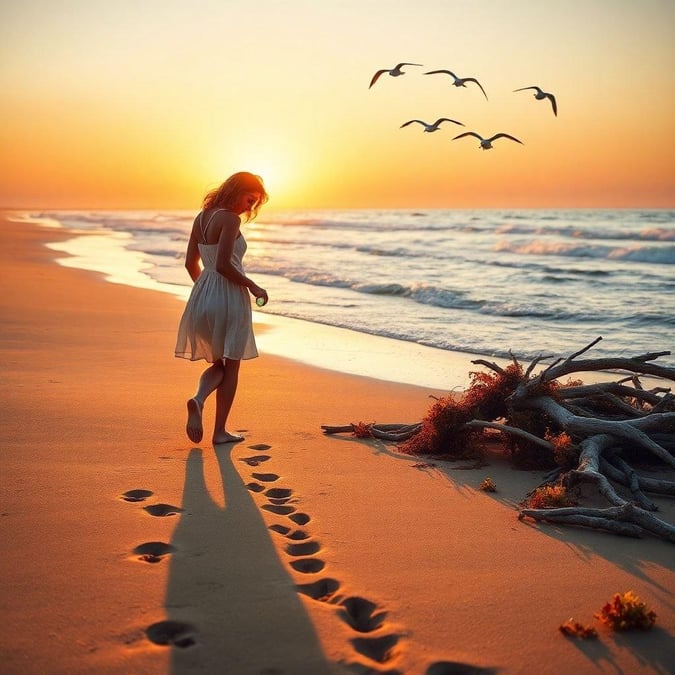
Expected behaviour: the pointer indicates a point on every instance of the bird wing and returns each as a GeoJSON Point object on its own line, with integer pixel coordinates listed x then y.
{"type": "Point", "coordinates": [447, 72]}
{"type": "Point", "coordinates": [376, 76]}
{"type": "Point", "coordinates": [468, 133]}
{"type": "Point", "coordinates": [447, 119]}
{"type": "Point", "coordinates": [513, 138]}
{"type": "Point", "coordinates": [524, 88]}
{"type": "Point", "coordinates": [473, 79]}
{"type": "Point", "coordinates": [400, 65]}
{"type": "Point", "coordinates": [405, 124]}
{"type": "Point", "coordinates": [551, 98]}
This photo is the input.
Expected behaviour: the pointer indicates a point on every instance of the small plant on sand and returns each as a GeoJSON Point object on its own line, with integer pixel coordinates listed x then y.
{"type": "Point", "coordinates": [626, 612]}
{"type": "Point", "coordinates": [549, 497]}
{"type": "Point", "coordinates": [488, 485]}
{"type": "Point", "coordinates": [572, 628]}
{"type": "Point", "coordinates": [362, 430]}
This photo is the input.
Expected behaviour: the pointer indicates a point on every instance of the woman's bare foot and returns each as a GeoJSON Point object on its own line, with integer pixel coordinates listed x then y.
{"type": "Point", "coordinates": [193, 428]}
{"type": "Point", "coordinates": [226, 437]}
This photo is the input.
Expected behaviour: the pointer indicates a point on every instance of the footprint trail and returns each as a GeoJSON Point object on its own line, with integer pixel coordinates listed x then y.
{"type": "Point", "coordinates": [372, 640]}
{"type": "Point", "coordinates": [169, 633]}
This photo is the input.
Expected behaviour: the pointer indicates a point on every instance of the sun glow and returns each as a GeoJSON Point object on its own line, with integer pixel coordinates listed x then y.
{"type": "Point", "coordinates": [268, 156]}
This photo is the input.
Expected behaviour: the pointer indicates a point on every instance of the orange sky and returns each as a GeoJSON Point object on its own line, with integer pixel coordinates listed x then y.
{"type": "Point", "coordinates": [130, 104]}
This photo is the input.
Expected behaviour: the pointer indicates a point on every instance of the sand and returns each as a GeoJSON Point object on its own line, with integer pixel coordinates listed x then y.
{"type": "Point", "coordinates": [291, 552]}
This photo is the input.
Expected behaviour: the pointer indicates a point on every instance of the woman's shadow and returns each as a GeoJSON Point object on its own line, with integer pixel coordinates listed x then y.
{"type": "Point", "coordinates": [231, 605]}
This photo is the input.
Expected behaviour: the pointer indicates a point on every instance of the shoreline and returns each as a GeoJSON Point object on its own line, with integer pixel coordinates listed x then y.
{"type": "Point", "coordinates": [443, 575]}
{"type": "Point", "coordinates": [315, 344]}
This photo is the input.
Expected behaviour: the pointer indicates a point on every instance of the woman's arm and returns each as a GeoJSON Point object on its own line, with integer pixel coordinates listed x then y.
{"type": "Point", "coordinates": [192, 257]}
{"type": "Point", "coordinates": [229, 232]}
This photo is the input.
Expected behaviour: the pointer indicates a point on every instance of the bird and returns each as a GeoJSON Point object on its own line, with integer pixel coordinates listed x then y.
{"type": "Point", "coordinates": [432, 127]}
{"type": "Point", "coordinates": [486, 143]}
{"type": "Point", "coordinates": [540, 95]}
{"type": "Point", "coordinates": [459, 81]}
{"type": "Point", "coordinates": [394, 72]}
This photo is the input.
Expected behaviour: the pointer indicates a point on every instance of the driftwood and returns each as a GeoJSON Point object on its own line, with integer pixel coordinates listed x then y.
{"type": "Point", "coordinates": [607, 431]}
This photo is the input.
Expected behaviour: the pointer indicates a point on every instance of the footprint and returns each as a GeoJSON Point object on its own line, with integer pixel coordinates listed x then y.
{"type": "Point", "coordinates": [254, 461]}
{"type": "Point", "coordinates": [457, 668]}
{"type": "Point", "coordinates": [260, 446]}
{"type": "Point", "coordinates": [153, 551]}
{"type": "Point", "coordinates": [297, 535]}
{"type": "Point", "coordinates": [265, 477]}
{"type": "Point", "coordinates": [136, 495]}
{"type": "Point", "coordinates": [279, 493]}
{"type": "Point", "coordinates": [322, 590]}
{"type": "Point", "coordinates": [255, 487]}
{"type": "Point", "coordinates": [306, 548]}
{"type": "Point", "coordinates": [280, 501]}
{"type": "Point", "coordinates": [162, 510]}
{"type": "Point", "coordinates": [279, 509]}
{"type": "Point", "coordinates": [300, 518]}
{"type": "Point", "coordinates": [174, 633]}
{"type": "Point", "coordinates": [281, 529]}
{"type": "Point", "coordinates": [359, 614]}
{"type": "Point", "coordinates": [308, 565]}
{"type": "Point", "coordinates": [380, 649]}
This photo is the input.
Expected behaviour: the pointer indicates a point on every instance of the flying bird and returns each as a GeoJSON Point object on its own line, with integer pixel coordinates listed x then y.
{"type": "Point", "coordinates": [459, 81]}
{"type": "Point", "coordinates": [431, 127]}
{"type": "Point", "coordinates": [394, 72]}
{"type": "Point", "coordinates": [540, 95]}
{"type": "Point", "coordinates": [486, 143]}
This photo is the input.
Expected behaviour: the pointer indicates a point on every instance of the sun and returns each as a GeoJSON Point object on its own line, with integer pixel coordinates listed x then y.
{"type": "Point", "coordinates": [269, 157]}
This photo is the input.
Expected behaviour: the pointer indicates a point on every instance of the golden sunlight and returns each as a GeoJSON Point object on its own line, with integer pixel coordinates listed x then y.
{"type": "Point", "coordinates": [267, 155]}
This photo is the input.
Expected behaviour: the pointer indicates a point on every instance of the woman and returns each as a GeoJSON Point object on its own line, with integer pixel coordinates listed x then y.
{"type": "Point", "coordinates": [217, 324]}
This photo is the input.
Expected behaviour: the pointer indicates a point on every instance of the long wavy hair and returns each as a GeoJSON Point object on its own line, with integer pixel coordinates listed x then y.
{"type": "Point", "coordinates": [227, 194]}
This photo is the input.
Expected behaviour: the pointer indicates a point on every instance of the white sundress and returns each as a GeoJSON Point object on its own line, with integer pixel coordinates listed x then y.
{"type": "Point", "coordinates": [217, 322]}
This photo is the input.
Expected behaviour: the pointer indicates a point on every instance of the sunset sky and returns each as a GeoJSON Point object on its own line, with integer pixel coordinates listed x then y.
{"type": "Point", "coordinates": [148, 104]}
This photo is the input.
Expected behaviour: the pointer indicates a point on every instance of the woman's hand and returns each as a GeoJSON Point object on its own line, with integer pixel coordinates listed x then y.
{"type": "Point", "coordinates": [260, 294]}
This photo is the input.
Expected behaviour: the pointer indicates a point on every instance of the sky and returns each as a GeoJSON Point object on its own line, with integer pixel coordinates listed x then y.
{"type": "Point", "coordinates": [151, 103]}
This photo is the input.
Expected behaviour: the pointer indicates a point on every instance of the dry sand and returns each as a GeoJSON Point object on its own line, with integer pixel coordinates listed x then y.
{"type": "Point", "coordinates": [291, 552]}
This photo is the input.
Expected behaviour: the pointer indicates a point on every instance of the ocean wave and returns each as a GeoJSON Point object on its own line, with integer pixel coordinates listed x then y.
{"type": "Point", "coordinates": [423, 294]}
{"type": "Point", "coordinates": [315, 278]}
{"type": "Point", "coordinates": [591, 234]}
{"type": "Point", "coordinates": [135, 223]}
{"type": "Point", "coordinates": [379, 251]}
{"type": "Point", "coordinates": [158, 251]}
{"type": "Point", "coordinates": [515, 310]}
{"type": "Point", "coordinates": [442, 297]}
{"type": "Point", "coordinates": [660, 255]}
{"type": "Point", "coordinates": [382, 289]}
{"type": "Point", "coordinates": [651, 319]}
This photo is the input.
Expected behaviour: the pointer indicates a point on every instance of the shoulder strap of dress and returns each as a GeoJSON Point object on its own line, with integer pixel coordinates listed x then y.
{"type": "Point", "coordinates": [203, 227]}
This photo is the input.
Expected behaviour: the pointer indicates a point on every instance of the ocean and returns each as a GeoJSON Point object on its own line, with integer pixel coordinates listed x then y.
{"type": "Point", "coordinates": [485, 282]}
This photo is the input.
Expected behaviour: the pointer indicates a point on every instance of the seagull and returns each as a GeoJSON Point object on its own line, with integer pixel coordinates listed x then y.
{"type": "Point", "coordinates": [540, 95]}
{"type": "Point", "coordinates": [459, 81]}
{"type": "Point", "coordinates": [486, 143]}
{"type": "Point", "coordinates": [432, 127]}
{"type": "Point", "coordinates": [394, 72]}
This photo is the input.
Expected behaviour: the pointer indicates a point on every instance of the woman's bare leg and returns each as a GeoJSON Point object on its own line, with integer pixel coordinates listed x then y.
{"type": "Point", "coordinates": [209, 381]}
{"type": "Point", "coordinates": [224, 398]}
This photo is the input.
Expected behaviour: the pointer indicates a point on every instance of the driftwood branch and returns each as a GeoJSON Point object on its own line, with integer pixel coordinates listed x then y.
{"type": "Point", "coordinates": [514, 431]}
{"type": "Point", "coordinates": [597, 433]}
{"type": "Point", "coordinates": [385, 432]}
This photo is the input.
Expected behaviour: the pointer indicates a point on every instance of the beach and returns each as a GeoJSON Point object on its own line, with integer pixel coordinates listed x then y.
{"type": "Point", "coordinates": [292, 552]}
